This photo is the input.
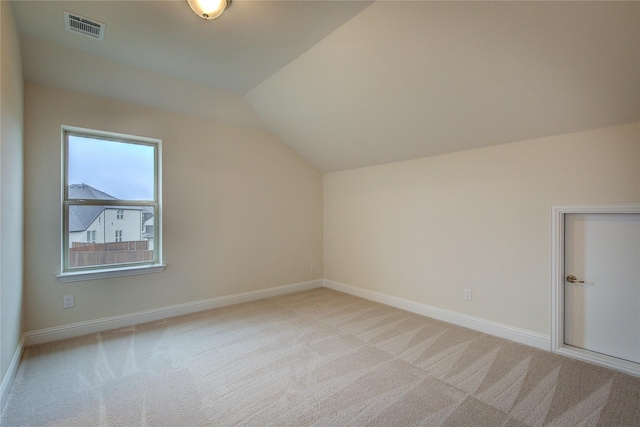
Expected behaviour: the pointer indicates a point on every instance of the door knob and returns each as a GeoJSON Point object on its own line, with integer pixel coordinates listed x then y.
{"type": "Point", "coordinates": [573, 279]}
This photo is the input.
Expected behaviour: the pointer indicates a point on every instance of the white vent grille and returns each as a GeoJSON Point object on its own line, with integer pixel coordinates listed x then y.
{"type": "Point", "coordinates": [85, 26]}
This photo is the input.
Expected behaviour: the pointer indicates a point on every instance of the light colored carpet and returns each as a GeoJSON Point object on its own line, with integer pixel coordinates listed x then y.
{"type": "Point", "coordinates": [313, 358]}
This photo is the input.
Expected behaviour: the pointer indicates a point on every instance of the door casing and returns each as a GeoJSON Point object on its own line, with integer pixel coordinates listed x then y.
{"type": "Point", "coordinates": [557, 285]}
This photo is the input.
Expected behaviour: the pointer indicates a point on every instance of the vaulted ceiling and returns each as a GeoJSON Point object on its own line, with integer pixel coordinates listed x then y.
{"type": "Point", "coordinates": [352, 83]}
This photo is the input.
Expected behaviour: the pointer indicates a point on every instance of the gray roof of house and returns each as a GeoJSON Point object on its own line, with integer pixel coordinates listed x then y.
{"type": "Point", "coordinates": [84, 191]}
{"type": "Point", "coordinates": [81, 217]}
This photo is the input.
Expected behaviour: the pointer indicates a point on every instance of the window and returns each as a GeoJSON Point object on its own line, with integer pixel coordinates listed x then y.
{"type": "Point", "coordinates": [115, 209]}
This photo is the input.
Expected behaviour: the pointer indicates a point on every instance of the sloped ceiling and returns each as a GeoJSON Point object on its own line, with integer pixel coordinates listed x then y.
{"type": "Point", "coordinates": [412, 79]}
{"type": "Point", "coordinates": [352, 84]}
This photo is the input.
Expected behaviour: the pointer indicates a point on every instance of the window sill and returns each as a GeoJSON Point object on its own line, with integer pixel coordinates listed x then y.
{"type": "Point", "coordinates": [108, 273]}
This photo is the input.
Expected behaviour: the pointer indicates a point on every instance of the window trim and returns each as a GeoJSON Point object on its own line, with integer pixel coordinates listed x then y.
{"type": "Point", "coordinates": [116, 270]}
{"type": "Point", "coordinates": [81, 276]}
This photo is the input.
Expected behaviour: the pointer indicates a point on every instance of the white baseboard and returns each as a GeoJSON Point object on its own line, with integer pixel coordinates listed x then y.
{"type": "Point", "coordinates": [625, 366]}
{"type": "Point", "coordinates": [511, 333]}
{"type": "Point", "coordinates": [5, 385]}
{"type": "Point", "coordinates": [114, 322]}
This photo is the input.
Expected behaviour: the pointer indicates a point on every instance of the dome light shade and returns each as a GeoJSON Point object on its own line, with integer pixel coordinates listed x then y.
{"type": "Point", "coordinates": [208, 9]}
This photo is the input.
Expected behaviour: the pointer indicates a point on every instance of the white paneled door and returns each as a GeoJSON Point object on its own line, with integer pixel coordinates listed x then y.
{"type": "Point", "coordinates": [602, 283]}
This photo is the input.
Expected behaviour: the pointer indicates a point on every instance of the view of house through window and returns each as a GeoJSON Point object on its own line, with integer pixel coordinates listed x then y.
{"type": "Point", "coordinates": [110, 201]}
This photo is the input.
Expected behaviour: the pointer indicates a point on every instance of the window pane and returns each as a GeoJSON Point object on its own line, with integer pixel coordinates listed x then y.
{"type": "Point", "coordinates": [113, 241]}
{"type": "Point", "coordinates": [104, 169]}
{"type": "Point", "coordinates": [110, 208]}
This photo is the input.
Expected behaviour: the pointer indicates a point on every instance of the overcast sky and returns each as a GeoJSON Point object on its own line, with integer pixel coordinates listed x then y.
{"type": "Point", "coordinates": [122, 170]}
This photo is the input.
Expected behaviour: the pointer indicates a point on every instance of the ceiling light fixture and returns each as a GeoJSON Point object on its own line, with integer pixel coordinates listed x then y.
{"type": "Point", "coordinates": [208, 9]}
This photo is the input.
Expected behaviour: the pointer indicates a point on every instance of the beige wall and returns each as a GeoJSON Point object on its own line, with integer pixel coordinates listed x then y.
{"type": "Point", "coordinates": [11, 188]}
{"type": "Point", "coordinates": [425, 229]}
{"type": "Point", "coordinates": [241, 211]}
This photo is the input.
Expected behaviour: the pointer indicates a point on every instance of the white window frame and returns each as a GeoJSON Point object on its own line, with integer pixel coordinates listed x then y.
{"type": "Point", "coordinates": [105, 271]}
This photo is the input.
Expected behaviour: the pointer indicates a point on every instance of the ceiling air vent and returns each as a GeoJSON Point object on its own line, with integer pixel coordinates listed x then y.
{"type": "Point", "coordinates": [81, 25]}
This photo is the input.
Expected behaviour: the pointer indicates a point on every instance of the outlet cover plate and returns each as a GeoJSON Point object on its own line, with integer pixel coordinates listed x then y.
{"type": "Point", "coordinates": [68, 301]}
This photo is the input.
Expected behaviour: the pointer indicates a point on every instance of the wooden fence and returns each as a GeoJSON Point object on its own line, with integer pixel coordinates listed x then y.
{"type": "Point", "coordinates": [134, 245]}
{"type": "Point", "coordinates": [92, 254]}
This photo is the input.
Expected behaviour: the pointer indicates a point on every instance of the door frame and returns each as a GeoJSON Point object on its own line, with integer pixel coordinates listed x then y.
{"type": "Point", "coordinates": [557, 286]}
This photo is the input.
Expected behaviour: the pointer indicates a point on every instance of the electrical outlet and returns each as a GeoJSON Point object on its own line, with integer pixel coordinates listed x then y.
{"type": "Point", "coordinates": [312, 267]}
{"type": "Point", "coordinates": [68, 301]}
{"type": "Point", "coordinates": [467, 294]}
